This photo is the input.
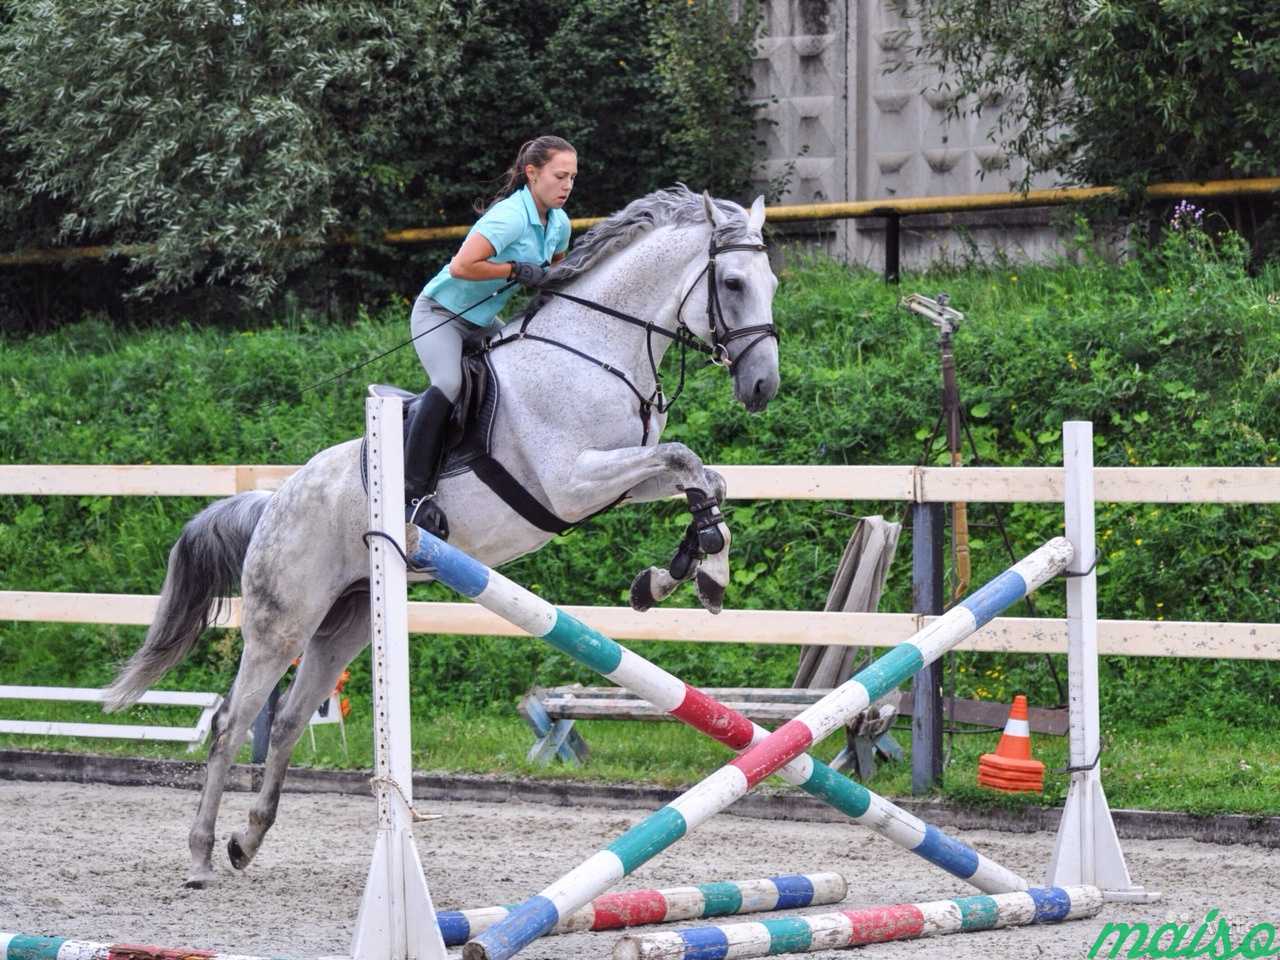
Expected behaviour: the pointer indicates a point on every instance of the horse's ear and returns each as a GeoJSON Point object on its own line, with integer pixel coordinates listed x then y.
{"type": "Point", "coordinates": [713, 214]}
{"type": "Point", "coordinates": [755, 219]}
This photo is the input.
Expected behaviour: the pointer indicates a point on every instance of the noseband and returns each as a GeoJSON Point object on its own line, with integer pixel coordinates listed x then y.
{"type": "Point", "coordinates": [720, 332]}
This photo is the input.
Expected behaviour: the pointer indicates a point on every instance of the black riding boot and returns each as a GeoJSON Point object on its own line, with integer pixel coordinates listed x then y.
{"type": "Point", "coordinates": [426, 424]}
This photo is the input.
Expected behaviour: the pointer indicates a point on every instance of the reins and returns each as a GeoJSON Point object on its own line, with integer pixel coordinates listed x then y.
{"type": "Point", "coordinates": [682, 337]}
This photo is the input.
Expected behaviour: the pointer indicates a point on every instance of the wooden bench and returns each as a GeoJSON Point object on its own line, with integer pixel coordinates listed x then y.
{"type": "Point", "coordinates": [551, 713]}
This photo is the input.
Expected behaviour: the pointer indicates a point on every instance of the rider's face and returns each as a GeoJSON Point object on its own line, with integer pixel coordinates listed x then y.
{"type": "Point", "coordinates": [552, 183]}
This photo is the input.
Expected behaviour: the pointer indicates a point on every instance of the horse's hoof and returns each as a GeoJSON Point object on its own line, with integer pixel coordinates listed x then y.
{"type": "Point", "coordinates": [642, 590]}
{"type": "Point", "coordinates": [198, 881]}
{"type": "Point", "coordinates": [710, 593]}
{"type": "Point", "coordinates": [235, 852]}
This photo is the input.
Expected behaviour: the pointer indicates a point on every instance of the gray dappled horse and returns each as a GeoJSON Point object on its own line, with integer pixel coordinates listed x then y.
{"type": "Point", "coordinates": [578, 424]}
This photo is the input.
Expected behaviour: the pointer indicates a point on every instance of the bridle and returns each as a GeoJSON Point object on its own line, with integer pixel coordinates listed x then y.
{"type": "Point", "coordinates": [720, 333]}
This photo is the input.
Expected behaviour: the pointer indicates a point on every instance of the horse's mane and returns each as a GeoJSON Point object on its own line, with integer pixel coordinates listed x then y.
{"type": "Point", "coordinates": [676, 206]}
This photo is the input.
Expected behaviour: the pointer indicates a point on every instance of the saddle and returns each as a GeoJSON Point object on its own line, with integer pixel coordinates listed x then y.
{"type": "Point", "coordinates": [469, 445]}
{"type": "Point", "coordinates": [471, 424]}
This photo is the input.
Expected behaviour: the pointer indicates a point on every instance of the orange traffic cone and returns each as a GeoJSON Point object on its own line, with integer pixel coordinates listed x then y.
{"type": "Point", "coordinates": [1011, 768]}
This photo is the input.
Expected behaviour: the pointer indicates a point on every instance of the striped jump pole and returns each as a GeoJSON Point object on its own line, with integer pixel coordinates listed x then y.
{"type": "Point", "coordinates": [628, 669]}
{"type": "Point", "coordinates": [614, 911]}
{"type": "Point", "coordinates": [855, 928]}
{"type": "Point", "coordinates": [651, 836]}
{"type": "Point", "coordinates": [20, 946]}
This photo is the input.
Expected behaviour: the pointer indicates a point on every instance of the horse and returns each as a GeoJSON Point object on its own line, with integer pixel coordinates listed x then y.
{"type": "Point", "coordinates": [578, 424]}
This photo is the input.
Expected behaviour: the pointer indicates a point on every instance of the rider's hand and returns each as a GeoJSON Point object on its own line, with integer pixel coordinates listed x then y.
{"type": "Point", "coordinates": [529, 274]}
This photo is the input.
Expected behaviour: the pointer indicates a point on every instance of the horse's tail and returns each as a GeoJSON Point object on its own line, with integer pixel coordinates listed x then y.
{"type": "Point", "coordinates": [204, 567]}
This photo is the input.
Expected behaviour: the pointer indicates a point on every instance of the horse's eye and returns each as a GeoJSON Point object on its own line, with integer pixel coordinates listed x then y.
{"type": "Point", "coordinates": [734, 284]}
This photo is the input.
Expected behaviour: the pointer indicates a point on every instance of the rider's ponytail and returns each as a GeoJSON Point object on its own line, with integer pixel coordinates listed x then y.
{"type": "Point", "coordinates": [537, 152]}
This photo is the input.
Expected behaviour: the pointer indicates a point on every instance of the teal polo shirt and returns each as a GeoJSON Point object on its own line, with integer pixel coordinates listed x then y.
{"type": "Point", "coordinates": [513, 227]}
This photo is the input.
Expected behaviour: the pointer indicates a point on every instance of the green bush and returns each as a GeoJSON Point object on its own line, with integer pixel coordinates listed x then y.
{"type": "Point", "coordinates": [1126, 92]}
{"type": "Point", "coordinates": [703, 59]}
{"type": "Point", "coordinates": [235, 138]}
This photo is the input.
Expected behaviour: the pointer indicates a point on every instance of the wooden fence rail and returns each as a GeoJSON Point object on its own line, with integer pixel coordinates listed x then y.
{"type": "Point", "coordinates": [1135, 638]}
{"type": "Point", "coordinates": [1243, 485]}
{"type": "Point", "coordinates": [886, 483]}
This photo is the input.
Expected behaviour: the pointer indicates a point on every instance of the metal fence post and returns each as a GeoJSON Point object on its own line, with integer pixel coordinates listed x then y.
{"type": "Point", "coordinates": [262, 726]}
{"type": "Point", "coordinates": [926, 594]}
{"type": "Point", "coordinates": [892, 247]}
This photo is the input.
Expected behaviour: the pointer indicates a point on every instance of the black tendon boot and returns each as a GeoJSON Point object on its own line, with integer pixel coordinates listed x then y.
{"type": "Point", "coordinates": [426, 423]}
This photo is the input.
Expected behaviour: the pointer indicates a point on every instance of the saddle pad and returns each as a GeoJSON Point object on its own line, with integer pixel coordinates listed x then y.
{"type": "Point", "coordinates": [473, 417]}
{"type": "Point", "coordinates": [481, 412]}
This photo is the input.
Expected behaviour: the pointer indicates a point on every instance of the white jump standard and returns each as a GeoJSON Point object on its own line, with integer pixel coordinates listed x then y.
{"type": "Point", "coordinates": [397, 919]}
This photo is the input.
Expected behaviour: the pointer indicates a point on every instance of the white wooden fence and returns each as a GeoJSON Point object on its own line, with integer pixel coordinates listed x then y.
{"type": "Point", "coordinates": [1245, 485]}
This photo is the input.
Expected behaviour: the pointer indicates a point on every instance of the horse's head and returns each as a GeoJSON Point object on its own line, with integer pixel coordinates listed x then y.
{"type": "Point", "coordinates": [723, 296]}
{"type": "Point", "coordinates": [728, 303]}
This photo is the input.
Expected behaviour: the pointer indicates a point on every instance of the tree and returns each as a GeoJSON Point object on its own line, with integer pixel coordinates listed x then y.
{"type": "Point", "coordinates": [649, 93]}
{"type": "Point", "coordinates": [704, 53]}
{"type": "Point", "coordinates": [239, 142]}
{"type": "Point", "coordinates": [1117, 91]}
{"type": "Point", "coordinates": [235, 138]}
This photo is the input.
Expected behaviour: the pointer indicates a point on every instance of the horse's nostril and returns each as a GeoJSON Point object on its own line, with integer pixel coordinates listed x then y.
{"type": "Point", "coordinates": [759, 386]}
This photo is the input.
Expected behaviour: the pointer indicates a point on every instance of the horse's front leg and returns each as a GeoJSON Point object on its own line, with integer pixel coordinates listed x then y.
{"type": "Point", "coordinates": [655, 473]}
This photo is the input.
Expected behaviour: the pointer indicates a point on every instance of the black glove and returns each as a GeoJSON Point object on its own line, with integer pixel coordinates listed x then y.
{"type": "Point", "coordinates": [530, 274]}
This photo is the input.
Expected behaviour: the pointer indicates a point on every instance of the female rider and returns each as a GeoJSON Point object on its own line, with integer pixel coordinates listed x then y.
{"type": "Point", "coordinates": [522, 230]}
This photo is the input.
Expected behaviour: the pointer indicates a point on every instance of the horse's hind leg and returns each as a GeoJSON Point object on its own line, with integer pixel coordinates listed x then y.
{"type": "Point", "coordinates": [261, 667]}
{"type": "Point", "coordinates": [274, 634]}
{"type": "Point", "coordinates": [343, 634]}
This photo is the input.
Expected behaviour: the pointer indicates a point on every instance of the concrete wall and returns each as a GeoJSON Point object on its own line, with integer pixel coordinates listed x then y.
{"type": "Point", "coordinates": [850, 127]}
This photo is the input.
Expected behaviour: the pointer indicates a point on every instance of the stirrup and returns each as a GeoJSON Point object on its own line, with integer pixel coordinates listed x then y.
{"type": "Point", "coordinates": [426, 513]}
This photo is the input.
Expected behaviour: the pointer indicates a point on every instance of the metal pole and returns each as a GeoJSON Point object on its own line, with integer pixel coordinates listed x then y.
{"type": "Point", "coordinates": [262, 726]}
{"type": "Point", "coordinates": [952, 413]}
{"type": "Point", "coordinates": [927, 521]}
{"type": "Point", "coordinates": [892, 247]}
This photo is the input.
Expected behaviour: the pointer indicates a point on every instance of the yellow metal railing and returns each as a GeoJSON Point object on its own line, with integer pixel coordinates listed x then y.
{"type": "Point", "coordinates": [891, 209]}
{"type": "Point", "coordinates": [971, 202]}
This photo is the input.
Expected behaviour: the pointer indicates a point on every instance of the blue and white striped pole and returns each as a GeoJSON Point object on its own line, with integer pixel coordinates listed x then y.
{"type": "Point", "coordinates": [766, 756]}
{"type": "Point", "coordinates": [637, 908]}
